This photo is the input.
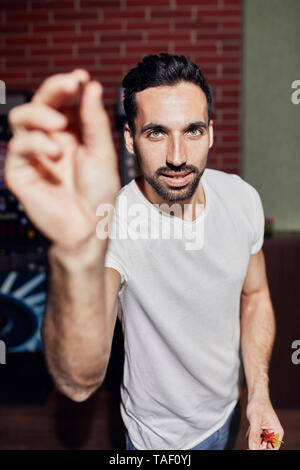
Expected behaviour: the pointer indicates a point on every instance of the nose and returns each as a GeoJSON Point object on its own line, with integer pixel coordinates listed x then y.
{"type": "Point", "coordinates": [176, 152]}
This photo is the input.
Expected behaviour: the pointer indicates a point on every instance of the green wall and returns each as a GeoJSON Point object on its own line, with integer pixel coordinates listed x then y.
{"type": "Point", "coordinates": [271, 123]}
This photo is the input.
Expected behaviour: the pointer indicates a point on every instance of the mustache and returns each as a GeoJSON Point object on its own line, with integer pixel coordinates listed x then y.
{"type": "Point", "coordinates": [187, 168]}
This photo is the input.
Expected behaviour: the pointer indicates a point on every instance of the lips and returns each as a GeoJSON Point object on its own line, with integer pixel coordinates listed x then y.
{"type": "Point", "coordinates": [177, 175]}
{"type": "Point", "coordinates": [177, 179]}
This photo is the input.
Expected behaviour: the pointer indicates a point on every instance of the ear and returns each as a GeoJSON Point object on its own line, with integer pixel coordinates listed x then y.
{"type": "Point", "coordinates": [211, 133]}
{"type": "Point", "coordinates": [128, 137]}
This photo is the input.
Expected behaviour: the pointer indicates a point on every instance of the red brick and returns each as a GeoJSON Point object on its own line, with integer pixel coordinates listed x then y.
{"type": "Point", "coordinates": [221, 59]}
{"type": "Point", "coordinates": [218, 35]}
{"type": "Point", "coordinates": [52, 4]}
{"type": "Point", "coordinates": [14, 29]}
{"type": "Point", "coordinates": [11, 52]}
{"type": "Point", "coordinates": [184, 13]}
{"type": "Point", "coordinates": [202, 4]}
{"type": "Point", "coordinates": [5, 75]}
{"type": "Point", "coordinates": [112, 81]}
{"type": "Point", "coordinates": [232, 161]}
{"type": "Point", "coordinates": [169, 37]}
{"type": "Point", "coordinates": [218, 12]}
{"type": "Point", "coordinates": [39, 76]}
{"type": "Point", "coordinates": [231, 47]}
{"type": "Point", "coordinates": [28, 63]}
{"type": "Point", "coordinates": [78, 62]}
{"type": "Point", "coordinates": [148, 3]}
{"type": "Point", "coordinates": [98, 49]}
{"type": "Point", "coordinates": [112, 14]}
{"type": "Point", "coordinates": [230, 93]}
{"type": "Point", "coordinates": [147, 25]}
{"type": "Point", "coordinates": [102, 26]}
{"type": "Point", "coordinates": [22, 40]}
{"type": "Point", "coordinates": [229, 3]}
{"type": "Point", "coordinates": [147, 49]}
{"type": "Point", "coordinates": [229, 104]}
{"type": "Point", "coordinates": [230, 116]}
{"type": "Point", "coordinates": [233, 25]}
{"type": "Point", "coordinates": [75, 15]}
{"type": "Point", "coordinates": [212, 160]}
{"type": "Point", "coordinates": [12, 5]}
{"type": "Point", "coordinates": [231, 138]}
{"type": "Point", "coordinates": [73, 39]}
{"type": "Point", "coordinates": [203, 48]}
{"type": "Point", "coordinates": [216, 22]}
{"type": "Point", "coordinates": [229, 70]}
{"type": "Point", "coordinates": [113, 61]}
{"type": "Point", "coordinates": [49, 28]}
{"type": "Point", "coordinates": [112, 94]}
{"type": "Point", "coordinates": [110, 73]}
{"type": "Point", "coordinates": [195, 25]}
{"type": "Point", "coordinates": [121, 37]}
{"type": "Point", "coordinates": [47, 51]}
{"type": "Point", "coordinates": [227, 81]}
{"type": "Point", "coordinates": [27, 16]}
{"type": "Point", "coordinates": [100, 4]}
{"type": "Point", "coordinates": [225, 150]}
{"type": "Point", "coordinates": [226, 127]}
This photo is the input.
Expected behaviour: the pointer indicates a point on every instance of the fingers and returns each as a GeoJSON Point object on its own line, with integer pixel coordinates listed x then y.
{"type": "Point", "coordinates": [34, 143]}
{"type": "Point", "coordinates": [36, 147]}
{"type": "Point", "coordinates": [36, 116]}
{"type": "Point", "coordinates": [61, 89]}
{"type": "Point", "coordinates": [254, 439]}
{"type": "Point", "coordinates": [96, 131]}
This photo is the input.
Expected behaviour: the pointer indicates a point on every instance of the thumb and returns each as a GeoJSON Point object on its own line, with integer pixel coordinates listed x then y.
{"type": "Point", "coordinates": [95, 125]}
{"type": "Point", "coordinates": [254, 439]}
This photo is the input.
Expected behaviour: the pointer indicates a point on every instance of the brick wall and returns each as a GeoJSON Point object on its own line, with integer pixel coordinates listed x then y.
{"type": "Point", "coordinates": [109, 37]}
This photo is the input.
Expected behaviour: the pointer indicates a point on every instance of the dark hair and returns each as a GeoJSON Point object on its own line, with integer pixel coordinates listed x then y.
{"type": "Point", "coordinates": [165, 69]}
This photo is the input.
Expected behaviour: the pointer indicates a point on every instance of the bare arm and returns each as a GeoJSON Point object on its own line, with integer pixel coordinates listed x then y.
{"type": "Point", "coordinates": [79, 320]}
{"type": "Point", "coordinates": [257, 326]}
{"type": "Point", "coordinates": [62, 165]}
{"type": "Point", "coordinates": [257, 339]}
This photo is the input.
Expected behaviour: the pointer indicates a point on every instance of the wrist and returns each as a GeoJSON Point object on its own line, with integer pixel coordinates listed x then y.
{"type": "Point", "coordinates": [259, 388]}
{"type": "Point", "coordinates": [90, 253]}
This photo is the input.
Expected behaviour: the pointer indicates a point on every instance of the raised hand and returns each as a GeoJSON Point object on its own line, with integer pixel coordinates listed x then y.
{"type": "Point", "coordinates": [62, 162]}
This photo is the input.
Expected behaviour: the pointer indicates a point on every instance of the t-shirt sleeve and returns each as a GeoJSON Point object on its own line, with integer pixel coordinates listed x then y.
{"type": "Point", "coordinates": [258, 222]}
{"type": "Point", "coordinates": [116, 251]}
{"type": "Point", "coordinates": [112, 260]}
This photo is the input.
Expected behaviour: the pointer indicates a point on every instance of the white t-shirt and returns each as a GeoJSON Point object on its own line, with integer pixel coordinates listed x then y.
{"type": "Point", "coordinates": [179, 304]}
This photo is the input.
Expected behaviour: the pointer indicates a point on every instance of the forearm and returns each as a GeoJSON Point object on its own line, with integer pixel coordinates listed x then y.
{"type": "Point", "coordinates": [257, 339]}
{"type": "Point", "coordinates": [75, 327]}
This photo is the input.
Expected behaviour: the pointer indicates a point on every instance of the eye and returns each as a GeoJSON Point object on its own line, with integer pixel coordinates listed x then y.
{"type": "Point", "coordinates": [200, 132]}
{"type": "Point", "coordinates": [154, 132]}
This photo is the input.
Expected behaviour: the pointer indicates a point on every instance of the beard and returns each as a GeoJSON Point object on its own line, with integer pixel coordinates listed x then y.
{"type": "Point", "coordinates": [172, 193]}
{"type": "Point", "coordinates": [175, 193]}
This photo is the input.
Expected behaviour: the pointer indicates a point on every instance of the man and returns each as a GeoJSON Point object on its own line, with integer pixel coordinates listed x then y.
{"type": "Point", "coordinates": [181, 297]}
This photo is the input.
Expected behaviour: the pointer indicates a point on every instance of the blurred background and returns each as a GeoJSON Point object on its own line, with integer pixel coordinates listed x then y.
{"type": "Point", "coordinates": [248, 51]}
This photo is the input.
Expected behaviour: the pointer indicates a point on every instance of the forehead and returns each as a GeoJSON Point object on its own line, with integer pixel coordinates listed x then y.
{"type": "Point", "coordinates": [179, 102]}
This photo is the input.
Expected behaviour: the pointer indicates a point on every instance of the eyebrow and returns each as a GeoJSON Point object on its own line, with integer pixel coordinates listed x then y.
{"type": "Point", "coordinates": [161, 127]}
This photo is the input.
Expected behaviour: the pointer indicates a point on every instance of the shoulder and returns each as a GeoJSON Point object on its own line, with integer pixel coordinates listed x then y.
{"type": "Point", "coordinates": [126, 192]}
{"type": "Point", "coordinates": [231, 185]}
{"type": "Point", "coordinates": [125, 198]}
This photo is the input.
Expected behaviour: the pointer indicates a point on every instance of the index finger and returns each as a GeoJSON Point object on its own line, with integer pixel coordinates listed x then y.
{"type": "Point", "coordinates": [61, 89]}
